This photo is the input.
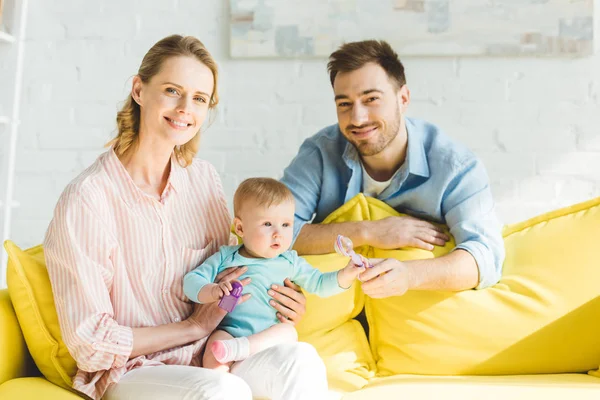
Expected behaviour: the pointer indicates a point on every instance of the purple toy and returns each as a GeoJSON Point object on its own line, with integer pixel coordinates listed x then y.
{"type": "Point", "coordinates": [228, 303]}
{"type": "Point", "coordinates": [344, 246]}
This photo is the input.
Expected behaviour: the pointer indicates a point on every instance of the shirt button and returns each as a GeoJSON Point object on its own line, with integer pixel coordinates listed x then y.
{"type": "Point", "coordinates": [165, 290]}
{"type": "Point", "coordinates": [94, 346]}
{"type": "Point", "coordinates": [176, 319]}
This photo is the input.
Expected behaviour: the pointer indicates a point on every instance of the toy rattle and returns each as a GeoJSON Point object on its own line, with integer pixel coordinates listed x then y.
{"type": "Point", "coordinates": [344, 246]}
{"type": "Point", "coordinates": [229, 302]}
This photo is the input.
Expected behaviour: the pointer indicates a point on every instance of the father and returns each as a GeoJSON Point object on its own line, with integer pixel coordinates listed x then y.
{"type": "Point", "coordinates": [410, 165]}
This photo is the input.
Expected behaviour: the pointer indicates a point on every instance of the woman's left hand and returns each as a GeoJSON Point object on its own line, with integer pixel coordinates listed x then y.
{"type": "Point", "coordinates": [289, 302]}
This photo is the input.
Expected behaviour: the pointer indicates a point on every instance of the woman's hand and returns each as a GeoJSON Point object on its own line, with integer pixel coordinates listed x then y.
{"type": "Point", "coordinates": [289, 302]}
{"type": "Point", "coordinates": [206, 317]}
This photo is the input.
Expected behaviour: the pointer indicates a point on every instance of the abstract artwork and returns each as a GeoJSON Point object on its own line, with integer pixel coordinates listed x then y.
{"type": "Point", "coordinates": [315, 28]}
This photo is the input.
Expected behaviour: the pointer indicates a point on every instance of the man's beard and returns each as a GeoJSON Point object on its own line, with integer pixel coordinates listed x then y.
{"type": "Point", "coordinates": [383, 139]}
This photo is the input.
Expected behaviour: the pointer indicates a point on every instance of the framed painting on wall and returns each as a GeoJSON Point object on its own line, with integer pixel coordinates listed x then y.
{"type": "Point", "coordinates": [315, 28]}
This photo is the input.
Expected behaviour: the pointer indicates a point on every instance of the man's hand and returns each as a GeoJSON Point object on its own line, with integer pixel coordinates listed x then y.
{"type": "Point", "coordinates": [399, 232]}
{"type": "Point", "coordinates": [388, 277]}
{"type": "Point", "coordinates": [289, 302]}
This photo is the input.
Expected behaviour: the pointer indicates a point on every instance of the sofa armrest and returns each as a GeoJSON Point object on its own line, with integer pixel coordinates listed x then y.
{"type": "Point", "coordinates": [35, 388]}
{"type": "Point", "coordinates": [13, 351]}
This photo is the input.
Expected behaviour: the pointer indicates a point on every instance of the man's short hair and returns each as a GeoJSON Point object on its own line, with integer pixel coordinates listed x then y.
{"type": "Point", "coordinates": [263, 191]}
{"type": "Point", "coordinates": [352, 56]}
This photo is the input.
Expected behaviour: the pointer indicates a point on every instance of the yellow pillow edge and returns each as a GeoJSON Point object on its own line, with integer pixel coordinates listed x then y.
{"type": "Point", "coordinates": [366, 203]}
{"type": "Point", "coordinates": [365, 347]}
{"type": "Point", "coordinates": [359, 199]}
{"type": "Point", "coordinates": [511, 228]}
{"type": "Point", "coordinates": [11, 249]}
{"type": "Point", "coordinates": [371, 365]}
{"type": "Point", "coordinates": [548, 216]}
{"type": "Point", "coordinates": [373, 333]}
{"type": "Point", "coordinates": [376, 203]}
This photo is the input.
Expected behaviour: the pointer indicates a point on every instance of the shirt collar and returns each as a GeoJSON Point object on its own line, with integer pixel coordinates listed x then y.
{"type": "Point", "coordinates": [127, 189]}
{"type": "Point", "coordinates": [176, 175]}
{"type": "Point", "coordinates": [416, 158]}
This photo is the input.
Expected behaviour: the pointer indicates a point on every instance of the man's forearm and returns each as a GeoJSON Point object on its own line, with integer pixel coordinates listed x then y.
{"type": "Point", "coordinates": [455, 271]}
{"type": "Point", "coordinates": [319, 239]}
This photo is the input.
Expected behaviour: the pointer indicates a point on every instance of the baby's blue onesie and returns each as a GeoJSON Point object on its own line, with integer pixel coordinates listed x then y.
{"type": "Point", "coordinates": [256, 314]}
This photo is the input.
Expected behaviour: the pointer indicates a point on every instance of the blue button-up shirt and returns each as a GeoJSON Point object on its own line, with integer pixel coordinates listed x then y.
{"type": "Point", "coordinates": [440, 180]}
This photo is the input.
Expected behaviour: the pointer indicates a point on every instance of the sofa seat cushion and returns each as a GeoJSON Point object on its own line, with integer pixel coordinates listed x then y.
{"type": "Point", "coordinates": [12, 344]}
{"type": "Point", "coordinates": [521, 387]}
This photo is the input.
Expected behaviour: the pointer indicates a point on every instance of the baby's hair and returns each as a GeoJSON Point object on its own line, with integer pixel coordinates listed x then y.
{"type": "Point", "coordinates": [263, 191]}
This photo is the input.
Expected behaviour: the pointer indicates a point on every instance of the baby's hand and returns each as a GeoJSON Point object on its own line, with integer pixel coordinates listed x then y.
{"type": "Point", "coordinates": [349, 273]}
{"type": "Point", "coordinates": [221, 289]}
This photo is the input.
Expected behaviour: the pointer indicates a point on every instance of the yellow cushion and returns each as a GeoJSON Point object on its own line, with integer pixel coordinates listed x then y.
{"type": "Point", "coordinates": [541, 318]}
{"type": "Point", "coordinates": [522, 387]}
{"type": "Point", "coordinates": [325, 314]}
{"type": "Point", "coordinates": [34, 388]}
{"type": "Point", "coordinates": [327, 323]}
{"type": "Point", "coordinates": [31, 295]}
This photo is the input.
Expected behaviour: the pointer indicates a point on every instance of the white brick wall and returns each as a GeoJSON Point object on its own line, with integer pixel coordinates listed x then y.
{"type": "Point", "coordinates": [534, 122]}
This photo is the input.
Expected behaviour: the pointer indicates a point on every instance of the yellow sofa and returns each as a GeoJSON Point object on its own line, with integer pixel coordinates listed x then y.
{"type": "Point", "coordinates": [536, 334]}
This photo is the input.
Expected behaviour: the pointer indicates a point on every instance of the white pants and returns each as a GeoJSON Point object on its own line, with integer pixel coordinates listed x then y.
{"type": "Point", "coordinates": [290, 371]}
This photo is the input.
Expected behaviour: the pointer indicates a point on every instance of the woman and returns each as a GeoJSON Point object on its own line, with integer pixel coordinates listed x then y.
{"type": "Point", "coordinates": [128, 229]}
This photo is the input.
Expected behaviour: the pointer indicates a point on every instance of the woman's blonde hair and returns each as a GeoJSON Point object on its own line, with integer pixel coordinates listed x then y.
{"type": "Point", "coordinates": [128, 119]}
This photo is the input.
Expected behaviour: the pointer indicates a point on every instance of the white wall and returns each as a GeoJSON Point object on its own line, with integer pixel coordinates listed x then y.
{"type": "Point", "coordinates": [534, 122]}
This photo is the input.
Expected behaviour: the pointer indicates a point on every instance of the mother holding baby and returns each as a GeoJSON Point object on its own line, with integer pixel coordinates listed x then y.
{"type": "Point", "coordinates": [127, 230]}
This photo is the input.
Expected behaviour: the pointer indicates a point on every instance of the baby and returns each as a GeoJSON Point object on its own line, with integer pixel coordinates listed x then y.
{"type": "Point", "coordinates": [264, 218]}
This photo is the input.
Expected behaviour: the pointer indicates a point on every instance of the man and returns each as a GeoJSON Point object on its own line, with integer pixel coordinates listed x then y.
{"type": "Point", "coordinates": [410, 165]}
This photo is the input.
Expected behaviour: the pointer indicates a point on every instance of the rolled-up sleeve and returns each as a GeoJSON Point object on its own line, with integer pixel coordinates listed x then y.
{"type": "Point", "coordinates": [469, 211]}
{"type": "Point", "coordinates": [78, 256]}
{"type": "Point", "coordinates": [304, 178]}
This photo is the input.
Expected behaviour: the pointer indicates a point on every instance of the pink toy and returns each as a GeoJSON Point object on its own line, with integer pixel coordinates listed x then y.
{"type": "Point", "coordinates": [344, 246]}
{"type": "Point", "coordinates": [228, 303]}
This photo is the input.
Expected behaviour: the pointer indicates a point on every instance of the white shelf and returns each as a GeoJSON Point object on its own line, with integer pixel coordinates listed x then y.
{"type": "Point", "coordinates": [5, 37]}
{"type": "Point", "coordinates": [15, 204]}
{"type": "Point", "coordinates": [9, 147]}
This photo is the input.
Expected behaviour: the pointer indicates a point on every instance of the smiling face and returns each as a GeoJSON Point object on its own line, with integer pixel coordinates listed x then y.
{"type": "Point", "coordinates": [175, 102]}
{"type": "Point", "coordinates": [267, 231]}
{"type": "Point", "coordinates": [369, 107]}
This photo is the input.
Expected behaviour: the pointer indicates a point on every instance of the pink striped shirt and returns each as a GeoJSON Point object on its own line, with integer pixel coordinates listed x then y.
{"type": "Point", "coordinates": [117, 257]}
